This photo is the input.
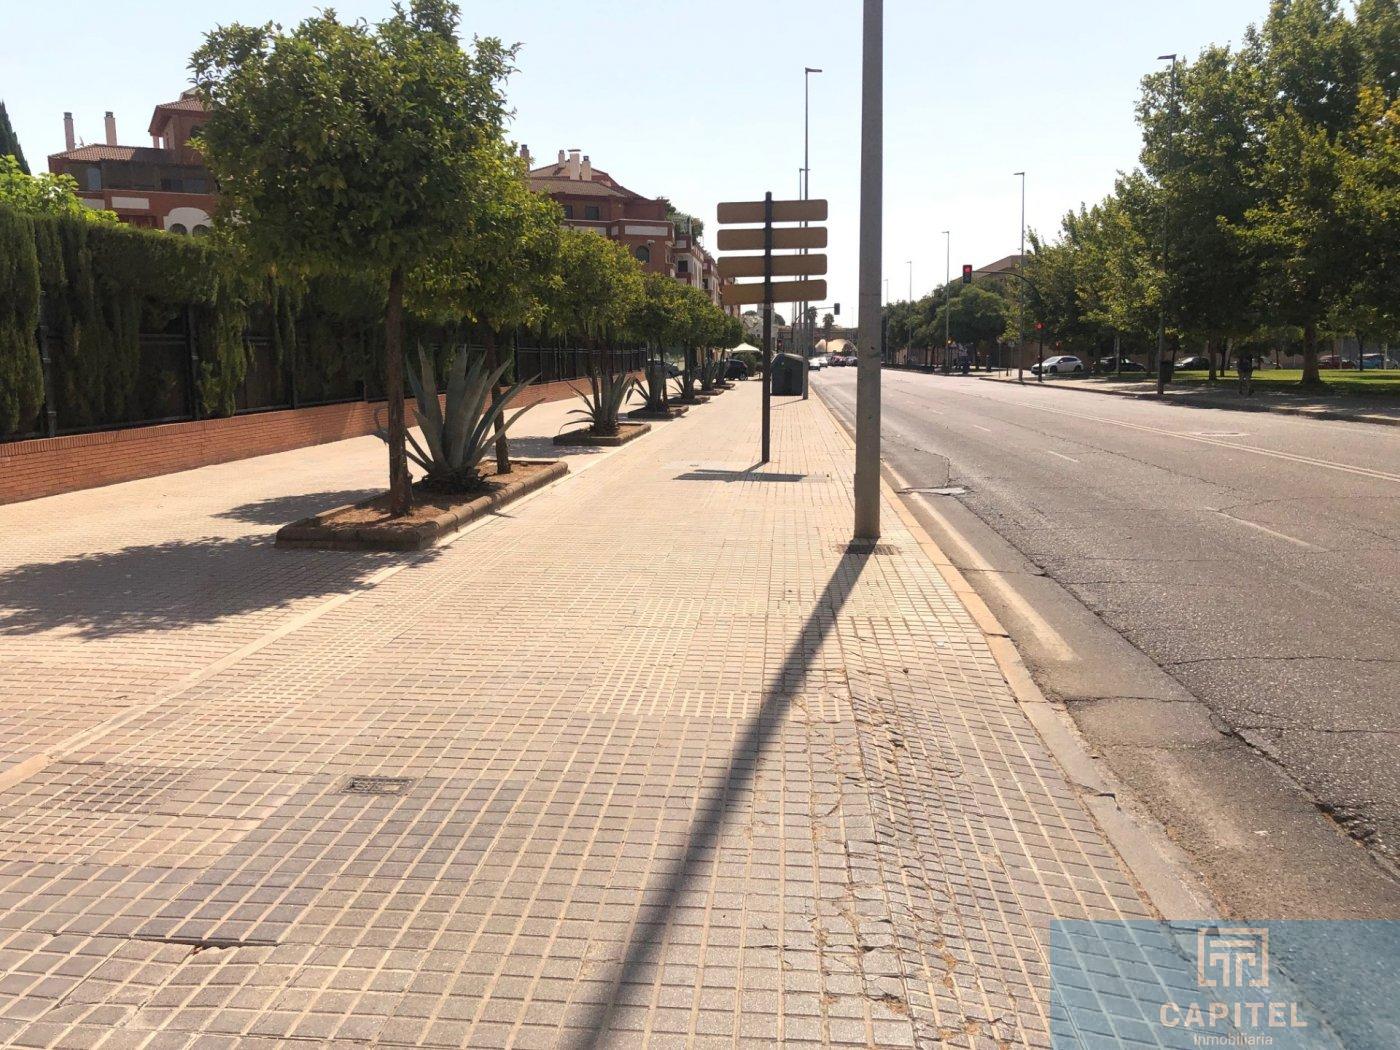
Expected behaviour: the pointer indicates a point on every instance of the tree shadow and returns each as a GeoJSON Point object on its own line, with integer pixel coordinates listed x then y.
{"type": "Point", "coordinates": [180, 584]}
{"type": "Point", "coordinates": [751, 474]}
{"type": "Point", "coordinates": [280, 510]}
{"type": "Point", "coordinates": [714, 811]}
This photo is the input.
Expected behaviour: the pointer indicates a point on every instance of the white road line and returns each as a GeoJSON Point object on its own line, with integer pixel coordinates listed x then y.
{"type": "Point", "coordinates": [1271, 532]}
{"type": "Point", "coordinates": [1049, 639]}
{"type": "Point", "coordinates": [1061, 455]}
{"type": "Point", "coordinates": [980, 427]}
{"type": "Point", "coordinates": [1289, 456]}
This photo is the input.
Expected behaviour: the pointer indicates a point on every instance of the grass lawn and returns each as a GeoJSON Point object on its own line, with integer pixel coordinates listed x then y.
{"type": "Point", "coordinates": [1383, 382]}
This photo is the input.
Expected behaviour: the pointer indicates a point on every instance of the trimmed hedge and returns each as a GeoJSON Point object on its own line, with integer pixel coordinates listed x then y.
{"type": "Point", "coordinates": [21, 372]}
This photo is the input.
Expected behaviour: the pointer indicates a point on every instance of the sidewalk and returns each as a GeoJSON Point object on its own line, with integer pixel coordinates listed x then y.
{"type": "Point", "coordinates": [653, 758]}
{"type": "Point", "coordinates": [1349, 409]}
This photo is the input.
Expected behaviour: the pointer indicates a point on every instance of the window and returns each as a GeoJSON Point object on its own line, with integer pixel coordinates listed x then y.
{"type": "Point", "coordinates": [178, 227]}
{"type": "Point", "coordinates": [568, 211]}
{"type": "Point", "coordinates": [200, 231]}
{"type": "Point", "coordinates": [93, 180]}
{"type": "Point", "coordinates": [682, 266]}
{"type": "Point", "coordinates": [644, 254]}
{"type": "Point", "coordinates": [590, 211]}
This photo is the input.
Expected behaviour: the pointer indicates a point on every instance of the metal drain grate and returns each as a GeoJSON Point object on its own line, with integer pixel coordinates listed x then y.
{"type": "Point", "coordinates": [866, 547]}
{"type": "Point", "coordinates": [377, 785]}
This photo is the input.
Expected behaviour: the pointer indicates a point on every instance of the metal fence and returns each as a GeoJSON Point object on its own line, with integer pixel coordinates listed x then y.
{"type": "Point", "coordinates": [170, 367]}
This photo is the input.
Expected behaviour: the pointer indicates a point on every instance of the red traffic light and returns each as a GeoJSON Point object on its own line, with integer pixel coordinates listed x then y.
{"type": "Point", "coordinates": [1040, 326]}
{"type": "Point", "coordinates": [967, 273]}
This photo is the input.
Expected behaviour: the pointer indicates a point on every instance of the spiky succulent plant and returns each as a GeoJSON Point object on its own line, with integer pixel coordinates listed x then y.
{"type": "Point", "coordinates": [603, 401]}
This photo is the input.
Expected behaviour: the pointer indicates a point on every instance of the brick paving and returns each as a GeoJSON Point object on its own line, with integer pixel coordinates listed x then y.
{"type": "Point", "coordinates": [654, 758]}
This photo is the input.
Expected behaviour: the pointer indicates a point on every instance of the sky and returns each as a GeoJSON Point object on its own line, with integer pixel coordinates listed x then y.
{"type": "Point", "coordinates": [703, 101]}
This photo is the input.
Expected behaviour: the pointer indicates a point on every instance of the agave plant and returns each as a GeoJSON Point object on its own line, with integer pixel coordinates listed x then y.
{"type": "Point", "coordinates": [653, 385]}
{"type": "Point", "coordinates": [607, 390]}
{"type": "Point", "coordinates": [685, 388]}
{"type": "Point", "coordinates": [459, 433]}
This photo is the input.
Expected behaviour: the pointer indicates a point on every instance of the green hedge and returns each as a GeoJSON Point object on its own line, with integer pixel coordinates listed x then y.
{"type": "Point", "coordinates": [21, 373]}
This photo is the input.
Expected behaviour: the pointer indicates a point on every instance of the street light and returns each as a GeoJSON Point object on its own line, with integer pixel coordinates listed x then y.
{"type": "Point", "coordinates": [1020, 294]}
{"type": "Point", "coordinates": [872, 145]}
{"type": "Point", "coordinates": [910, 263]}
{"type": "Point", "coordinates": [806, 181]}
{"type": "Point", "coordinates": [947, 289]}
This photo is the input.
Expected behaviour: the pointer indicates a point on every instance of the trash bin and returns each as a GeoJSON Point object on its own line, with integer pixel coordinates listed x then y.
{"type": "Point", "coordinates": [789, 375]}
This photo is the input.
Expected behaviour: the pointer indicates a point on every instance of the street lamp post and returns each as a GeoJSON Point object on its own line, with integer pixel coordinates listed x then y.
{"type": "Point", "coordinates": [867, 479]}
{"type": "Point", "coordinates": [1020, 293]}
{"type": "Point", "coordinates": [1162, 303]}
{"type": "Point", "coordinates": [806, 181]}
{"type": "Point", "coordinates": [947, 289]}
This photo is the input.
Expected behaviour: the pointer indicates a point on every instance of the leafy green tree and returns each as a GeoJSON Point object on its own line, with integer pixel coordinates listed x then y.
{"type": "Point", "coordinates": [600, 290]}
{"type": "Point", "coordinates": [9, 141]}
{"type": "Point", "coordinates": [346, 147]}
{"type": "Point", "coordinates": [45, 194]}
{"type": "Point", "coordinates": [975, 316]}
{"type": "Point", "coordinates": [501, 271]}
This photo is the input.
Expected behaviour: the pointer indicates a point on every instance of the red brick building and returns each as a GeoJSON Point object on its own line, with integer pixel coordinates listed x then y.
{"type": "Point", "coordinates": [593, 200]}
{"type": "Point", "coordinates": [162, 186]}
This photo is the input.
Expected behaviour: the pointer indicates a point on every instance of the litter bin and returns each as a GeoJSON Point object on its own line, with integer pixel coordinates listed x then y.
{"type": "Point", "coordinates": [789, 375]}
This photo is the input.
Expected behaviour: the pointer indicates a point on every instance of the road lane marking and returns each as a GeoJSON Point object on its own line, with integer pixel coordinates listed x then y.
{"type": "Point", "coordinates": [980, 427]}
{"type": "Point", "coordinates": [1291, 457]}
{"type": "Point", "coordinates": [1061, 455]}
{"type": "Point", "coordinates": [1271, 532]}
{"type": "Point", "coordinates": [1049, 639]}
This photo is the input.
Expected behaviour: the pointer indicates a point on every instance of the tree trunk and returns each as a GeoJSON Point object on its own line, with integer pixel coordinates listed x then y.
{"type": "Point", "coordinates": [1210, 356]}
{"type": "Point", "coordinates": [488, 336]}
{"type": "Point", "coordinates": [1311, 374]}
{"type": "Point", "coordinates": [400, 496]}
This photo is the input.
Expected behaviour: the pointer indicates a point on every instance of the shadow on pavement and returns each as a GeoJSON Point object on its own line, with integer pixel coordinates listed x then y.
{"type": "Point", "coordinates": [282, 510]}
{"type": "Point", "coordinates": [648, 932]}
{"type": "Point", "coordinates": [751, 474]}
{"type": "Point", "coordinates": [181, 584]}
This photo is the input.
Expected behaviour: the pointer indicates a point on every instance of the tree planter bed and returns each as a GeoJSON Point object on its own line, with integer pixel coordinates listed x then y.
{"type": "Point", "coordinates": [367, 526]}
{"type": "Point", "coordinates": [674, 412]}
{"type": "Point", "coordinates": [625, 432]}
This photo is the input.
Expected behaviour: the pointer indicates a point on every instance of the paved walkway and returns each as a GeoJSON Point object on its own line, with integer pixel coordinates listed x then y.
{"type": "Point", "coordinates": [1384, 411]}
{"type": "Point", "coordinates": [654, 758]}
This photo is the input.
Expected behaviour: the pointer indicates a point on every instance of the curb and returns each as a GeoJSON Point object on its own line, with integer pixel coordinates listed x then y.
{"type": "Point", "coordinates": [1161, 872]}
{"type": "Point", "coordinates": [622, 437]}
{"type": "Point", "coordinates": [1193, 401]}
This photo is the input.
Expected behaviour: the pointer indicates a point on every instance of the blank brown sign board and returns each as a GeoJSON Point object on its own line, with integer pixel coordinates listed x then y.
{"type": "Point", "coordinates": [783, 266]}
{"type": "Point", "coordinates": [783, 292]}
{"type": "Point", "coordinates": [783, 211]}
{"type": "Point", "coordinates": [784, 239]}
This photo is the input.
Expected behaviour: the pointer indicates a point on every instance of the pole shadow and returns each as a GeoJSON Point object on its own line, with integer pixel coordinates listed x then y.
{"type": "Point", "coordinates": [784, 686]}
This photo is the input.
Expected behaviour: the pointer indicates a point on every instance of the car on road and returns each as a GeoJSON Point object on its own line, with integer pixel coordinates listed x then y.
{"type": "Point", "coordinates": [1195, 363]}
{"type": "Point", "coordinates": [816, 364]}
{"type": "Point", "coordinates": [1060, 364]}
{"type": "Point", "coordinates": [1112, 364]}
{"type": "Point", "coordinates": [734, 368]}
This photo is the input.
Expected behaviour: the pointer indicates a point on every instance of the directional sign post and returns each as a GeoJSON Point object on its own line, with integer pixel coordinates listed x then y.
{"type": "Point", "coordinates": [767, 238]}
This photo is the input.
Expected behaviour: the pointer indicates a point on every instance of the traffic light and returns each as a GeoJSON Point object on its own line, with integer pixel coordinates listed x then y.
{"type": "Point", "coordinates": [1040, 326]}
{"type": "Point", "coordinates": [836, 310]}
{"type": "Point", "coordinates": [967, 273]}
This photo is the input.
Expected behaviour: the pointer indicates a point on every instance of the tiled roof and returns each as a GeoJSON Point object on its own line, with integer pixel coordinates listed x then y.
{"type": "Point", "coordinates": [145, 154]}
{"type": "Point", "coordinates": [192, 104]}
{"type": "Point", "coordinates": [560, 172]}
{"type": "Point", "coordinates": [576, 187]}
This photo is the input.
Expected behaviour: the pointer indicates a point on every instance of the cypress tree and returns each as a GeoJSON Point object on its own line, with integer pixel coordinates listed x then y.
{"type": "Point", "coordinates": [9, 141]}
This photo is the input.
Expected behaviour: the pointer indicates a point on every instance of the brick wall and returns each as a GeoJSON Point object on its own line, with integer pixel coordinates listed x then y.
{"type": "Point", "coordinates": [48, 466]}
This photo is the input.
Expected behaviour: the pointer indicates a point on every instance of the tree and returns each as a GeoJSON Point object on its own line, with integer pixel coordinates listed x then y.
{"type": "Point", "coordinates": [345, 147]}
{"type": "Point", "coordinates": [828, 326]}
{"type": "Point", "coordinates": [600, 291]}
{"type": "Point", "coordinates": [975, 316]}
{"type": "Point", "coordinates": [9, 141]}
{"type": "Point", "coordinates": [501, 271]}
{"type": "Point", "coordinates": [45, 194]}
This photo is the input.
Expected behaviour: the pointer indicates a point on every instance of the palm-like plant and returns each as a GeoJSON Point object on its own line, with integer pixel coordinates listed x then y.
{"type": "Point", "coordinates": [458, 434]}
{"type": "Point", "coordinates": [607, 391]}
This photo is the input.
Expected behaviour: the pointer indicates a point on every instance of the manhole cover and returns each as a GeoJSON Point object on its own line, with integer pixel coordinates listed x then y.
{"type": "Point", "coordinates": [377, 785]}
{"type": "Point", "coordinates": [865, 547]}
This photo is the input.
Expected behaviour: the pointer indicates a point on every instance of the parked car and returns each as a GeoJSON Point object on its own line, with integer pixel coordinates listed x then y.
{"type": "Point", "coordinates": [1058, 365]}
{"type": "Point", "coordinates": [734, 368]}
{"type": "Point", "coordinates": [837, 360]}
{"type": "Point", "coordinates": [1111, 364]}
{"type": "Point", "coordinates": [816, 364]}
{"type": "Point", "coordinates": [1194, 363]}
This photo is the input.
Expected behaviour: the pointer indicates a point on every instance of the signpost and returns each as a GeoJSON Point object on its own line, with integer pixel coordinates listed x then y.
{"type": "Point", "coordinates": [768, 238]}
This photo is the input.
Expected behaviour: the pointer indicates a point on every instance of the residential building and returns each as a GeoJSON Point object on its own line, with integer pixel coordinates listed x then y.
{"type": "Point", "coordinates": [593, 200]}
{"type": "Point", "coordinates": [162, 186]}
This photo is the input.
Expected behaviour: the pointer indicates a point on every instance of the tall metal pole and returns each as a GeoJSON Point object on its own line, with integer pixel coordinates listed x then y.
{"type": "Point", "coordinates": [867, 486]}
{"type": "Point", "coordinates": [947, 290]}
{"type": "Point", "coordinates": [767, 319]}
{"type": "Point", "coordinates": [809, 332]}
{"type": "Point", "coordinates": [1162, 303]}
{"type": "Point", "coordinates": [1020, 291]}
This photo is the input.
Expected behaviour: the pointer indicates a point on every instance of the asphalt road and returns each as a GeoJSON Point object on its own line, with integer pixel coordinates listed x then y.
{"type": "Point", "coordinates": [1214, 594]}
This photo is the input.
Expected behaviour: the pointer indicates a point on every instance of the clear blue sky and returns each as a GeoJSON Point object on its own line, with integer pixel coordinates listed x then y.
{"type": "Point", "coordinates": [702, 102]}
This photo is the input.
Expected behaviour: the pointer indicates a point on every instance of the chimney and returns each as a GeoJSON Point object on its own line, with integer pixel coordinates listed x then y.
{"type": "Point", "coordinates": [69, 140]}
{"type": "Point", "coordinates": [111, 123]}
{"type": "Point", "coordinates": [155, 142]}
{"type": "Point", "coordinates": [525, 156]}
{"type": "Point", "coordinates": [561, 158]}
{"type": "Point", "coordinates": [573, 164]}
{"type": "Point", "coordinates": [587, 170]}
